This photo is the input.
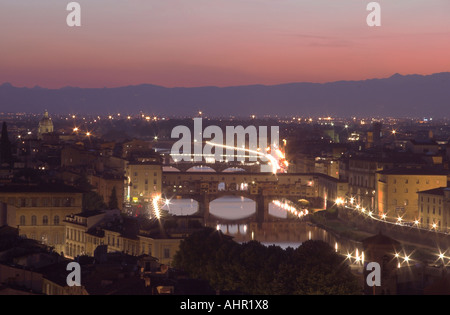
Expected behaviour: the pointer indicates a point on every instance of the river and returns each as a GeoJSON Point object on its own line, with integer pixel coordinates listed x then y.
{"type": "Point", "coordinates": [280, 232]}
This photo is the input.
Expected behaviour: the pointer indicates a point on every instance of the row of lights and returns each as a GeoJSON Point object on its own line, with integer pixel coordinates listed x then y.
{"type": "Point", "coordinates": [383, 217]}
{"type": "Point", "coordinates": [290, 208]}
{"type": "Point", "coordinates": [406, 258]}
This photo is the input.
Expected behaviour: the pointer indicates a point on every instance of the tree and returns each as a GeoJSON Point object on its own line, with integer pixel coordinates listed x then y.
{"type": "Point", "coordinates": [93, 201]}
{"type": "Point", "coordinates": [113, 203]}
{"type": "Point", "coordinates": [5, 147]}
{"type": "Point", "coordinates": [320, 270]}
{"type": "Point", "coordinates": [252, 268]}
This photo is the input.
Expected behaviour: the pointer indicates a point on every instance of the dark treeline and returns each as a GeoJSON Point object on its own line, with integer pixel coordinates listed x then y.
{"type": "Point", "coordinates": [252, 268]}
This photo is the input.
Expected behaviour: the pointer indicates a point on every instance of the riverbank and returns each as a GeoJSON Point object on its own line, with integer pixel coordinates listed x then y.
{"type": "Point", "coordinates": [338, 227]}
{"type": "Point", "coordinates": [355, 228]}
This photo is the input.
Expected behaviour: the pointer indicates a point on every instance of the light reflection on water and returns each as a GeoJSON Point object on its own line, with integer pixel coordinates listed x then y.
{"type": "Point", "coordinates": [228, 207]}
{"type": "Point", "coordinates": [281, 233]}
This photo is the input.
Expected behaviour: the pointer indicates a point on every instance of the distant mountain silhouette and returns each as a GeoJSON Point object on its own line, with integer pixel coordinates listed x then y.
{"type": "Point", "coordinates": [398, 95]}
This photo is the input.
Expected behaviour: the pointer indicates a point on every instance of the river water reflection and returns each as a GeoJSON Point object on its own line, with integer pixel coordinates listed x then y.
{"type": "Point", "coordinates": [280, 232]}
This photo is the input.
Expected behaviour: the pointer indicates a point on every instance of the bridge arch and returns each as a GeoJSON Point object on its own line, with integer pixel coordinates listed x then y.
{"type": "Point", "coordinates": [234, 169]}
{"type": "Point", "coordinates": [231, 207]}
{"type": "Point", "coordinates": [201, 168]}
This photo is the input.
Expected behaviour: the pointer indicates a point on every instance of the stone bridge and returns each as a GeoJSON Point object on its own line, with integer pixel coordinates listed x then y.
{"type": "Point", "coordinates": [217, 166]}
{"type": "Point", "coordinates": [262, 188]}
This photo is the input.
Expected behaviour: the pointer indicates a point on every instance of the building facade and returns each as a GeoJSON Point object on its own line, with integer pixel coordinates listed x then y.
{"type": "Point", "coordinates": [41, 210]}
{"type": "Point", "coordinates": [434, 208]}
{"type": "Point", "coordinates": [143, 181]}
{"type": "Point", "coordinates": [397, 190]}
{"type": "Point", "coordinates": [86, 231]}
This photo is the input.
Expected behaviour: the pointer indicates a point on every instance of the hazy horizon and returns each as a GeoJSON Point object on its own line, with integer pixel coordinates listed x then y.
{"type": "Point", "coordinates": [228, 86]}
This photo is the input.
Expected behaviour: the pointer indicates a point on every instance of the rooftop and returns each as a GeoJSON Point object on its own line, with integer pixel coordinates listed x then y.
{"type": "Point", "coordinates": [413, 171]}
{"type": "Point", "coordinates": [436, 191]}
{"type": "Point", "coordinates": [38, 188]}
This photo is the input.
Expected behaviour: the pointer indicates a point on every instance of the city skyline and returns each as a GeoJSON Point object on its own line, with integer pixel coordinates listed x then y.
{"type": "Point", "coordinates": [214, 148]}
{"type": "Point", "coordinates": [216, 43]}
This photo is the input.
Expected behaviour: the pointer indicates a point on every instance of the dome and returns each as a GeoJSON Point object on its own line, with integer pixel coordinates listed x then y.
{"type": "Point", "coordinates": [45, 125]}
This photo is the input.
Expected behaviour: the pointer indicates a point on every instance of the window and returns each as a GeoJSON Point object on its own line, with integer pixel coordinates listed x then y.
{"type": "Point", "coordinates": [56, 202]}
{"type": "Point", "coordinates": [56, 220]}
{"type": "Point", "coordinates": [22, 220]}
{"type": "Point", "coordinates": [33, 220]}
{"type": "Point", "coordinates": [68, 202]}
{"type": "Point", "coordinates": [45, 220]}
{"type": "Point", "coordinates": [45, 202]}
{"type": "Point", "coordinates": [166, 253]}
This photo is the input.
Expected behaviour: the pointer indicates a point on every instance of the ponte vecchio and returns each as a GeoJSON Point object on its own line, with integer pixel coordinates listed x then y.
{"type": "Point", "coordinates": [263, 188]}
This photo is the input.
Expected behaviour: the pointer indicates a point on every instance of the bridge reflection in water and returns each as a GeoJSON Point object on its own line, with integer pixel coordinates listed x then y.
{"type": "Point", "coordinates": [232, 215]}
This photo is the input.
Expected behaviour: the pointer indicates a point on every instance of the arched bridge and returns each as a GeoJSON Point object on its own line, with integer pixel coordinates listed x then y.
{"type": "Point", "coordinates": [262, 188]}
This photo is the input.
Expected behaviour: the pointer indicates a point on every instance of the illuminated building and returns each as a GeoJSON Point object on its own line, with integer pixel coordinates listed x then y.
{"type": "Point", "coordinates": [41, 209]}
{"type": "Point", "coordinates": [434, 208]}
{"type": "Point", "coordinates": [397, 190]}
{"type": "Point", "coordinates": [362, 179]}
{"type": "Point", "coordinates": [143, 181]}
{"type": "Point", "coordinates": [87, 230]}
{"type": "Point", "coordinates": [78, 241]}
{"type": "Point", "coordinates": [45, 125]}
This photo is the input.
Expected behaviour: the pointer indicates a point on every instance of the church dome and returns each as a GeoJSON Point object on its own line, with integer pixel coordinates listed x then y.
{"type": "Point", "coordinates": [45, 125]}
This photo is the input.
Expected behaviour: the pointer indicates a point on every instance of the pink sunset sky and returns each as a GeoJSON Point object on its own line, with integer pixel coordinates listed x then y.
{"type": "Point", "coordinates": [189, 43]}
